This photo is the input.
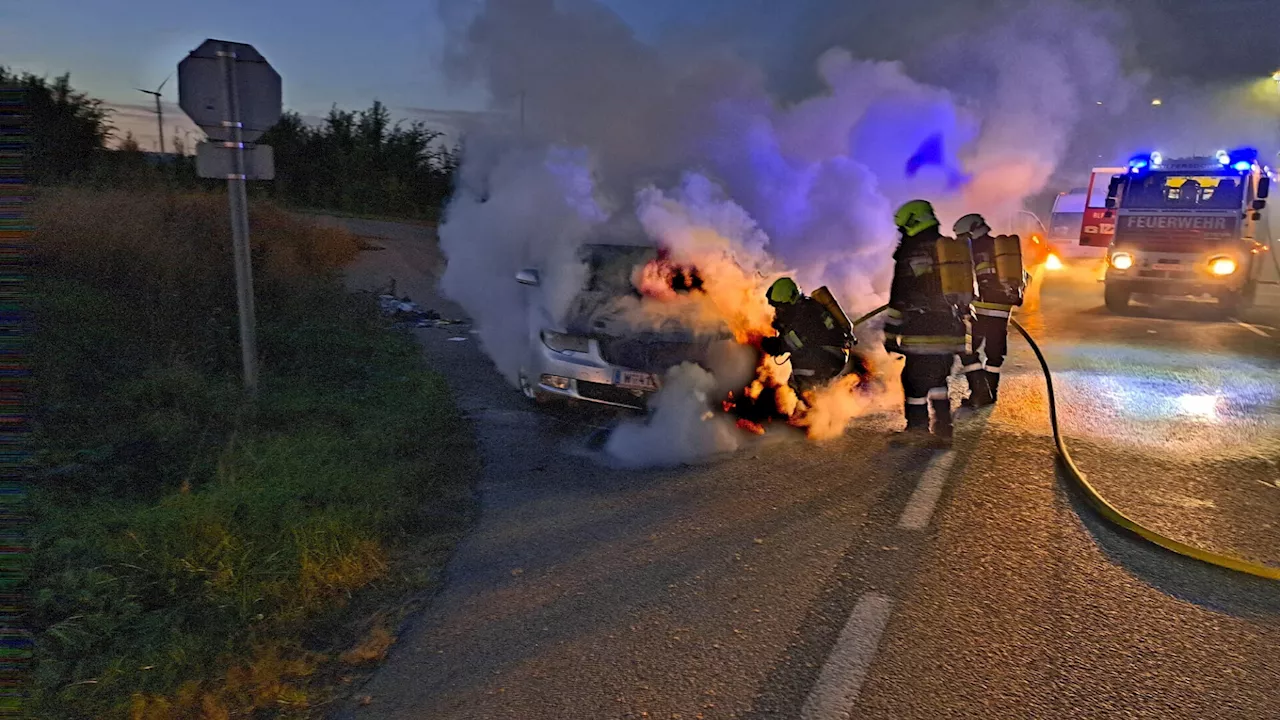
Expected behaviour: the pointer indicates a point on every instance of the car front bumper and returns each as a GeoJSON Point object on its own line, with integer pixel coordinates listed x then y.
{"type": "Point", "coordinates": [587, 377]}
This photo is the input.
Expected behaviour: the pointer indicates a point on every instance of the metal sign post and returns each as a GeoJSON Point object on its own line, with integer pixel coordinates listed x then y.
{"type": "Point", "coordinates": [240, 222]}
{"type": "Point", "coordinates": [233, 93]}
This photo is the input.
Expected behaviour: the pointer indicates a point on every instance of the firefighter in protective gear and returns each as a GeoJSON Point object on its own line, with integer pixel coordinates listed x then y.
{"type": "Point", "coordinates": [926, 320]}
{"type": "Point", "coordinates": [997, 265]}
{"type": "Point", "coordinates": [818, 345]}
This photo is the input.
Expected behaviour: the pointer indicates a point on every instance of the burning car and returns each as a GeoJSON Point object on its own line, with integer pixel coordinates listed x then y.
{"type": "Point", "coordinates": [605, 351]}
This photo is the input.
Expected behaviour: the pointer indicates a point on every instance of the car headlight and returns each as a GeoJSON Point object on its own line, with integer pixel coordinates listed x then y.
{"type": "Point", "coordinates": [1222, 266]}
{"type": "Point", "coordinates": [1121, 261]}
{"type": "Point", "coordinates": [561, 342]}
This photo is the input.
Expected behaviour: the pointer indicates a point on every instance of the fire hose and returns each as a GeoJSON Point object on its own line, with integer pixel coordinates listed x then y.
{"type": "Point", "coordinates": [1108, 511]}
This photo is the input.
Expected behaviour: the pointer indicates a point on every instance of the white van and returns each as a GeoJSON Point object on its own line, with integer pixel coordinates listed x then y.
{"type": "Point", "coordinates": [1065, 225]}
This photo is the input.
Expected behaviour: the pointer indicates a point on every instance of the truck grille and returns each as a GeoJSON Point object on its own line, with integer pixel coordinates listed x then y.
{"type": "Point", "coordinates": [654, 356]}
{"type": "Point", "coordinates": [1167, 274]}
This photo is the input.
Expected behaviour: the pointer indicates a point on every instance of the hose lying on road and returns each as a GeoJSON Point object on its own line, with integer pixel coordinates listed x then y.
{"type": "Point", "coordinates": [1106, 509]}
{"type": "Point", "coordinates": [1109, 512]}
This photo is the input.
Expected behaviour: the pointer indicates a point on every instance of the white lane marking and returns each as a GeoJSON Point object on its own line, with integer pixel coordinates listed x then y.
{"type": "Point", "coordinates": [1251, 328]}
{"type": "Point", "coordinates": [846, 667]}
{"type": "Point", "coordinates": [922, 502]}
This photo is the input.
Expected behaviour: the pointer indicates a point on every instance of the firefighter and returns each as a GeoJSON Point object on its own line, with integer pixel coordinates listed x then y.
{"type": "Point", "coordinates": [818, 344]}
{"type": "Point", "coordinates": [997, 265]}
{"type": "Point", "coordinates": [926, 321]}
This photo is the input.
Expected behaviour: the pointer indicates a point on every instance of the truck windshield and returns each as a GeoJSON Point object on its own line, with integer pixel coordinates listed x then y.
{"type": "Point", "coordinates": [1179, 191]}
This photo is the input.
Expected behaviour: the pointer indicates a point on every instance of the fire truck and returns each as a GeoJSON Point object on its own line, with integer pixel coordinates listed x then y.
{"type": "Point", "coordinates": [1177, 227]}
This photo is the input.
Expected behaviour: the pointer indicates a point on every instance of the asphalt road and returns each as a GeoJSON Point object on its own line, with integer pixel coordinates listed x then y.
{"type": "Point", "coordinates": [853, 579]}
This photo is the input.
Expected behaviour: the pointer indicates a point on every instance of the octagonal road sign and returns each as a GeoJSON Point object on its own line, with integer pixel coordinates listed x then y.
{"type": "Point", "coordinates": [202, 95]}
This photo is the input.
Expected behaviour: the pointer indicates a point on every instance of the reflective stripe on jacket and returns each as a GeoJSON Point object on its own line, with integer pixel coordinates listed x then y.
{"type": "Point", "coordinates": [991, 309]}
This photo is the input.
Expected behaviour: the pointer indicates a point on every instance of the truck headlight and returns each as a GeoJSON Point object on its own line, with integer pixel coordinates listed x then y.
{"type": "Point", "coordinates": [1222, 266]}
{"type": "Point", "coordinates": [561, 342]}
{"type": "Point", "coordinates": [1121, 261]}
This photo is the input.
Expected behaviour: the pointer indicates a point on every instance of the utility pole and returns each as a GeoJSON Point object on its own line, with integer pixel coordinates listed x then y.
{"type": "Point", "coordinates": [159, 110]}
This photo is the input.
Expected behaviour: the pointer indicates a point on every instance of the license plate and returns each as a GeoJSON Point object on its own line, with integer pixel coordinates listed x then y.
{"type": "Point", "coordinates": [1167, 266]}
{"type": "Point", "coordinates": [635, 380]}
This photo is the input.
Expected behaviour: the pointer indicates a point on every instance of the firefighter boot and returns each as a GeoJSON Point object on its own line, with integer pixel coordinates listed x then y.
{"type": "Point", "coordinates": [917, 430]}
{"type": "Point", "coordinates": [980, 392]}
{"type": "Point", "coordinates": [993, 382]}
{"type": "Point", "coordinates": [942, 428]}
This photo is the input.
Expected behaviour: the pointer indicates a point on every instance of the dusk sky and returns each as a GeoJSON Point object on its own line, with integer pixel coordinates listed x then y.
{"type": "Point", "coordinates": [327, 51]}
{"type": "Point", "coordinates": [349, 53]}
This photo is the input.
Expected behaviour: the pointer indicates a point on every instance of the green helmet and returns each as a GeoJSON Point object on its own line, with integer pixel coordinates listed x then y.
{"type": "Point", "coordinates": [915, 216]}
{"type": "Point", "coordinates": [783, 291]}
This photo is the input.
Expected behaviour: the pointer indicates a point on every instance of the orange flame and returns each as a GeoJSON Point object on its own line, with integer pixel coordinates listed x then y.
{"type": "Point", "coordinates": [663, 279]}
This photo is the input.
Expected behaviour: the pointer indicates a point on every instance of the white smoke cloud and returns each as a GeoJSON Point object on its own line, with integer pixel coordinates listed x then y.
{"type": "Point", "coordinates": [681, 428]}
{"type": "Point", "coordinates": [688, 141]}
{"type": "Point", "coordinates": [540, 225]}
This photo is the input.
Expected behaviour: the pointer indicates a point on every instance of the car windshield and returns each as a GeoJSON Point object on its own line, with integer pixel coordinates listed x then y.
{"type": "Point", "coordinates": [1065, 225]}
{"type": "Point", "coordinates": [610, 267]}
{"type": "Point", "coordinates": [1176, 191]}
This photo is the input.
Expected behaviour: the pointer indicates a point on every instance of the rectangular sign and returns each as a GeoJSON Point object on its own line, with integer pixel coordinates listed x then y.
{"type": "Point", "coordinates": [1177, 227]}
{"type": "Point", "coordinates": [215, 160]}
{"type": "Point", "coordinates": [635, 380]}
{"type": "Point", "coordinates": [1096, 230]}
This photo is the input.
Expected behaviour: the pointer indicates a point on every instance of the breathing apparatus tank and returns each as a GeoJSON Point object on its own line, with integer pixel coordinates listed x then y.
{"type": "Point", "coordinates": [955, 270]}
{"type": "Point", "coordinates": [1008, 250]}
{"type": "Point", "coordinates": [828, 301]}
{"type": "Point", "coordinates": [1009, 259]}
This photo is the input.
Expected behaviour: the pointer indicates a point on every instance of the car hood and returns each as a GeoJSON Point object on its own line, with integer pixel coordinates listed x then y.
{"type": "Point", "coordinates": [613, 316]}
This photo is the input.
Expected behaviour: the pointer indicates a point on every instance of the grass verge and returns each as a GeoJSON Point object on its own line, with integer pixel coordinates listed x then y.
{"type": "Point", "coordinates": [195, 558]}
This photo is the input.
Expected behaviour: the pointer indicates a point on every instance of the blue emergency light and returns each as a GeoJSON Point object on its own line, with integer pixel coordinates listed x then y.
{"type": "Point", "coordinates": [1138, 163]}
{"type": "Point", "coordinates": [1241, 159]}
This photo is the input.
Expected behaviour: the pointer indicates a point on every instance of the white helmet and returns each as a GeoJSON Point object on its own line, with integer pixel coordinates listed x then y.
{"type": "Point", "coordinates": [972, 225]}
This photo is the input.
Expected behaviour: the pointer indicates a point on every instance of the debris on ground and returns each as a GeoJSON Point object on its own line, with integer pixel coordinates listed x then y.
{"type": "Point", "coordinates": [406, 312]}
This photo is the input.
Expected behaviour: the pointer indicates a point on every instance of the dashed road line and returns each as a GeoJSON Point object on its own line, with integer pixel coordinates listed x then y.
{"type": "Point", "coordinates": [925, 498]}
{"type": "Point", "coordinates": [840, 681]}
{"type": "Point", "coordinates": [1251, 328]}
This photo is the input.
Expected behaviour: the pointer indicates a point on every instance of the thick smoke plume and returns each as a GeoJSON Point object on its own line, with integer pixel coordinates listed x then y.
{"type": "Point", "coordinates": [681, 428]}
{"type": "Point", "coordinates": [690, 145]}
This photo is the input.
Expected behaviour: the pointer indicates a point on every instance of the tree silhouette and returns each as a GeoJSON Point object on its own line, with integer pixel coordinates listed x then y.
{"type": "Point", "coordinates": [129, 144]}
{"type": "Point", "coordinates": [361, 162]}
{"type": "Point", "coordinates": [357, 162]}
{"type": "Point", "coordinates": [68, 129]}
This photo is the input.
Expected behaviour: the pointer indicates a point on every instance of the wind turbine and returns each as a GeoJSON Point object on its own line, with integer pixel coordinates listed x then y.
{"type": "Point", "coordinates": [159, 110]}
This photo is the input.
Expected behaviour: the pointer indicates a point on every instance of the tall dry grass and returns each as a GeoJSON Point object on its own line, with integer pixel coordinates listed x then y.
{"type": "Point", "coordinates": [188, 554]}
